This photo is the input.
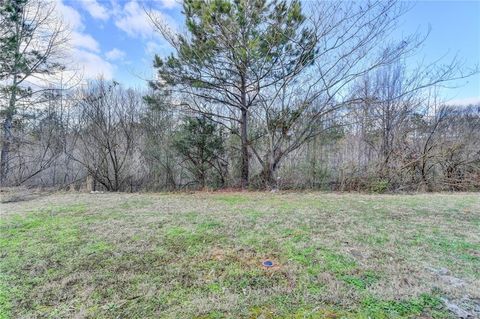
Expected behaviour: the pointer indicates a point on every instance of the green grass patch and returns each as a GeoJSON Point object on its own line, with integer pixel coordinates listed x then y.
{"type": "Point", "coordinates": [375, 308]}
{"type": "Point", "coordinates": [335, 256]}
{"type": "Point", "coordinates": [231, 199]}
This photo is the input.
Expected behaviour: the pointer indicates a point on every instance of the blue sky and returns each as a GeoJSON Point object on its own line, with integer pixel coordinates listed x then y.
{"type": "Point", "coordinates": [455, 30]}
{"type": "Point", "coordinates": [115, 38]}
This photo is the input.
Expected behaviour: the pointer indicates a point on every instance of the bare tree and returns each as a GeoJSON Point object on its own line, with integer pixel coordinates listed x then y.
{"type": "Point", "coordinates": [302, 89]}
{"type": "Point", "coordinates": [107, 132]}
{"type": "Point", "coordinates": [31, 41]}
{"type": "Point", "coordinates": [159, 125]}
{"type": "Point", "coordinates": [459, 150]}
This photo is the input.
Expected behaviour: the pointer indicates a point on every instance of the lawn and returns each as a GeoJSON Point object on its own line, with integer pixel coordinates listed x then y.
{"type": "Point", "coordinates": [71, 255]}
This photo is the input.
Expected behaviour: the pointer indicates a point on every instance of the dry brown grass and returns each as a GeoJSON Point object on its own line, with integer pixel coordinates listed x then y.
{"type": "Point", "coordinates": [199, 255]}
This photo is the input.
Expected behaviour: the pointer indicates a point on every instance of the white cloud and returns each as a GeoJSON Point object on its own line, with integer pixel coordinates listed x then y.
{"type": "Point", "coordinates": [95, 9]}
{"type": "Point", "coordinates": [92, 65]}
{"type": "Point", "coordinates": [169, 3]}
{"type": "Point", "coordinates": [82, 54]}
{"type": "Point", "coordinates": [152, 48]}
{"type": "Point", "coordinates": [136, 23]}
{"type": "Point", "coordinates": [86, 41]}
{"type": "Point", "coordinates": [465, 101]}
{"type": "Point", "coordinates": [115, 54]}
{"type": "Point", "coordinates": [70, 17]}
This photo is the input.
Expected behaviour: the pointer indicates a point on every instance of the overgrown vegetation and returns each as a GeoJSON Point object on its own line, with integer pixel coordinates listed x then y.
{"type": "Point", "coordinates": [256, 95]}
{"type": "Point", "coordinates": [200, 255]}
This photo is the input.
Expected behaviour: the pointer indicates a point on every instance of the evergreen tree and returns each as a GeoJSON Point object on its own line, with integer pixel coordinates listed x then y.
{"type": "Point", "coordinates": [200, 143]}
{"type": "Point", "coordinates": [233, 52]}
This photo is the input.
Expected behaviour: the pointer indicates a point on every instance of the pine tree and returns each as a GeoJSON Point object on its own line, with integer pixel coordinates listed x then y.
{"type": "Point", "coordinates": [200, 143]}
{"type": "Point", "coordinates": [234, 51]}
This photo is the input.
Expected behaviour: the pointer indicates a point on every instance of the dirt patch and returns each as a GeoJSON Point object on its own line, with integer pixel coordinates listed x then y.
{"type": "Point", "coordinates": [217, 254]}
{"type": "Point", "coordinates": [463, 307]}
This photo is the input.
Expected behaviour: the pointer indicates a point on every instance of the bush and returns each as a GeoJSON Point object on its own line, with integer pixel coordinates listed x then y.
{"type": "Point", "coordinates": [379, 186]}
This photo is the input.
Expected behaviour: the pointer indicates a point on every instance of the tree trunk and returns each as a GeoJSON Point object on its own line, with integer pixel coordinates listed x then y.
{"type": "Point", "coordinates": [7, 139]}
{"type": "Point", "coordinates": [270, 166]}
{"type": "Point", "coordinates": [244, 136]}
{"type": "Point", "coordinates": [10, 112]}
{"type": "Point", "coordinates": [7, 135]}
{"type": "Point", "coordinates": [268, 176]}
{"type": "Point", "coordinates": [201, 176]}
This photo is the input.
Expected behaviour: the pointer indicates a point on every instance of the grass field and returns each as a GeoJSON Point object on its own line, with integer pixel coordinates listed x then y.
{"type": "Point", "coordinates": [200, 256]}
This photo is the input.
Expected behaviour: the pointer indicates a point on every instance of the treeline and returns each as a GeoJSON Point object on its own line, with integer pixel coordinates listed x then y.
{"type": "Point", "coordinates": [255, 95]}
{"type": "Point", "coordinates": [112, 137]}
